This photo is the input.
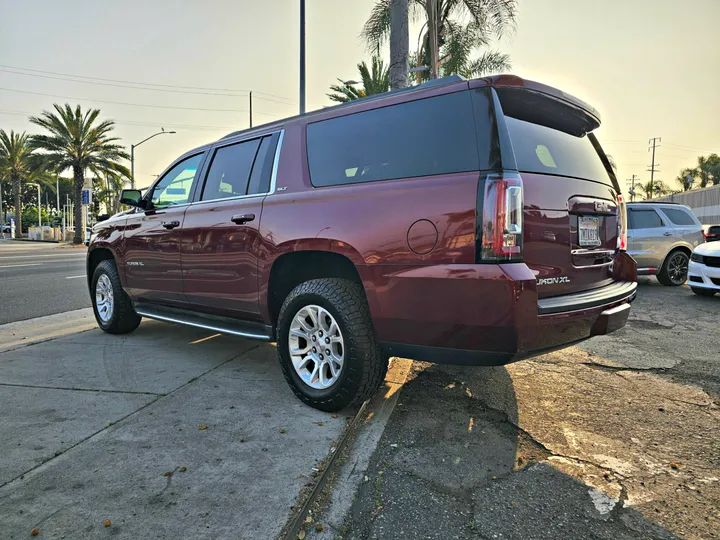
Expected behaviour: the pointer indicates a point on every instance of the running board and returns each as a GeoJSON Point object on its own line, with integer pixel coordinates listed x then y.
{"type": "Point", "coordinates": [223, 325]}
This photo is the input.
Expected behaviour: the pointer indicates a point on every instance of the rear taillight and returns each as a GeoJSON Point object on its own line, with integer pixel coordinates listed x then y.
{"type": "Point", "coordinates": [622, 224]}
{"type": "Point", "coordinates": [502, 218]}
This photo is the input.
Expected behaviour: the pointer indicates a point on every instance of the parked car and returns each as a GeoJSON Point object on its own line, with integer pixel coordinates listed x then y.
{"type": "Point", "coordinates": [470, 222]}
{"type": "Point", "coordinates": [661, 237]}
{"type": "Point", "coordinates": [713, 233]}
{"type": "Point", "coordinates": [704, 271]}
{"type": "Point", "coordinates": [5, 227]}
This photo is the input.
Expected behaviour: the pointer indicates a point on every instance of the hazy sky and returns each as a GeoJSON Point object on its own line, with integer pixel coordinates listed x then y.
{"type": "Point", "coordinates": [651, 67]}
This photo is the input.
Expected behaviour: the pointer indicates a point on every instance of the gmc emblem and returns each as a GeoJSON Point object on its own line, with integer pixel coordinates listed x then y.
{"type": "Point", "coordinates": [601, 206]}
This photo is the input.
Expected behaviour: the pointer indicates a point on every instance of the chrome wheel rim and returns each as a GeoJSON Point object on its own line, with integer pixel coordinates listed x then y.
{"type": "Point", "coordinates": [104, 301]}
{"type": "Point", "coordinates": [678, 268]}
{"type": "Point", "coordinates": [316, 346]}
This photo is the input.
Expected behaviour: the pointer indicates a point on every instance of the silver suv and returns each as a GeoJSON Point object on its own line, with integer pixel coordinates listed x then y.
{"type": "Point", "coordinates": [661, 237]}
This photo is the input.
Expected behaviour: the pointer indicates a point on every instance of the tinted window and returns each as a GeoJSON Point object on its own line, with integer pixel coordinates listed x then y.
{"type": "Point", "coordinates": [230, 171]}
{"type": "Point", "coordinates": [544, 150]}
{"type": "Point", "coordinates": [175, 187]}
{"type": "Point", "coordinates": [715, 229]}
{"type": "Point", "coordinates": [420, 138]}
{"type": "Point", "coordinates": [260, 177]}
{"type": "Point", "coordinates": [644, 219]}
{"type": "Point", "coordinates": [678, 216]}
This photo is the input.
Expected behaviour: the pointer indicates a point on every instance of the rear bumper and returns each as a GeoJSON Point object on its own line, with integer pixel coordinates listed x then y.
{"type": "Point", "coordinates": [490, 315]}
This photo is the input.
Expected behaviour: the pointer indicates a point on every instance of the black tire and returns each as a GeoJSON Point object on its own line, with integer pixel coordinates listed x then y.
{"type": "Point", "coordinates": [674, 270]}
{"type": "Point", "coordinates": [703, 292]}
{"type": "Point", "coordinates": [364, 364]}
{"type": "Point", "coordinates": [123, 318]}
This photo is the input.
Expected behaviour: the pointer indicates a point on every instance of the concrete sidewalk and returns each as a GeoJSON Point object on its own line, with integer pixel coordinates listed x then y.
{"type": "Point", "coordinates": [169, 432]}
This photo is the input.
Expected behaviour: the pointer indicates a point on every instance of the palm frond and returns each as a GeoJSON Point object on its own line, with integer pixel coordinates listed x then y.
{"type": "Point", "coordinates": [376, 29]}
{"type": "Point", "coordinates": [488, 63]}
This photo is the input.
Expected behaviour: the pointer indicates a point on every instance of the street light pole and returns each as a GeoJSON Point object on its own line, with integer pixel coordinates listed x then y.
{"type": "Point", "coordinates": [302, 56]}
{"type": "Point", "coordinates": [39, 205]}
{"type": "Point", "coordinates": [132, 153]}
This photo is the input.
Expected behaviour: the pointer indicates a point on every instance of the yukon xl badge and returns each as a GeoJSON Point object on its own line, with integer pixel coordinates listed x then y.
{"type": "Point", "coordinates": [553, 280]}
{"type": "Point", "coordinates": [135, 263]}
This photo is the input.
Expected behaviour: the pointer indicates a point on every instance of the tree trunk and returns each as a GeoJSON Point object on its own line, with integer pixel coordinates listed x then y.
{"type": "Point", "coordinates": [79, 182]}
{"type": "Point", "coordinates": [399, 44]}
{"type": "Point", "coordinates": [18, 206]}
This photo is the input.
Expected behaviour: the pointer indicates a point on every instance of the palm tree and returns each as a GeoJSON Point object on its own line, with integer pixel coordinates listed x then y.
{"type": "Point", "coordinates": [15, 165]}
{"type": "Point", "coordinates": [76, 142]}
{"type": "Point", "coordinates": [463, 27]}
{"type": "Point", "coordinates": [653, 188]}
{"type": "Point", "coordinates": [375, 80]}
{"type": "Point", "coordinates": [685, 177]}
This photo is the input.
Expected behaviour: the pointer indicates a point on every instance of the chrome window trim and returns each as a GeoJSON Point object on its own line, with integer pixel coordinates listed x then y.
{"type": "Point", "coordinates": [276, 161]}
{"type": "Point", "coordinates": [236, 197]}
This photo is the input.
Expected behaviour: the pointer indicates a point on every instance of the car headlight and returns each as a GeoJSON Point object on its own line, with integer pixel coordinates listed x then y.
{"type": "Point", "coordinates": [696, 258]}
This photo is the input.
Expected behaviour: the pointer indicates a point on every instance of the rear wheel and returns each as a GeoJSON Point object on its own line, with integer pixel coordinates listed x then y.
{"type": "Point", "coordinates": [674, 271]}
{"type": "Point", "coordinates": [326, 344]}
{"type": "Point", "coordinates": [703, 292]}
{"type": "Point", "coordinates": [113, 309]}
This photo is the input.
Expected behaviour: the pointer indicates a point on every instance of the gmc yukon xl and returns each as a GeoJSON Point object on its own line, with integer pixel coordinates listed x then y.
{"type": "Point", "coordinates": [474, 222]}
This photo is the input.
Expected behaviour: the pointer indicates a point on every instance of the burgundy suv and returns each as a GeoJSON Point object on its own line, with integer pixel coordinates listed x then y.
{"type": "Point", "coordinates": [472, 222]}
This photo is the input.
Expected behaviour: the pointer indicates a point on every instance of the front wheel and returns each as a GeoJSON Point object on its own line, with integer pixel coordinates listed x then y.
{"type": "Point", "coordinates": [113, 309]}
{"type": "Point", "coordinates": [674, 271]}
{"type": "Point", "coordinates": [327, 346]}
{"type": "Point", "coordinates": [703, 292]}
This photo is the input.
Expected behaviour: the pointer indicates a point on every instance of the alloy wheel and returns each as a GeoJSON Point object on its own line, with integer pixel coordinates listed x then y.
{"type": "Point", "coordinates": [316, 347]}
{"type": "Point", "coordinates": [678, 268]}
{"type": "Point", "coordinates": [104, 301]}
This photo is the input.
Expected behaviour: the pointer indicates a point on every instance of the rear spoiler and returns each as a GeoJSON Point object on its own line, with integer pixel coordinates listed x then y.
{"type": "Point", "coordinates": [542, 104]}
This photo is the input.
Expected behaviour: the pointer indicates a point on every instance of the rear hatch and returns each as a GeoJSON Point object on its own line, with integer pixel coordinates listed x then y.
{"type": "Point", "coordinates": [570, 198]}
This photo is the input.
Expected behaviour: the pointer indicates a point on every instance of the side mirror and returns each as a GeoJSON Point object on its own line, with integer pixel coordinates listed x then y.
{"type": "Point", "coordinates": [132, 197]}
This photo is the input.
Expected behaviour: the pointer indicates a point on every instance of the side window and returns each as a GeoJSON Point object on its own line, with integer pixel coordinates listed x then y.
{"type": "Point", "coordinates": [419, 138]}
{"type": "Point", "coordinates": [230, 171]}
{"type": "Point", "coordinates": [678, 216]}
{"type": "Point", "coordinates": [262, 170]}
{"type": "Point", "coordinates": [644, 219]}
{"type": "Point", "coordinates": [174, 188]}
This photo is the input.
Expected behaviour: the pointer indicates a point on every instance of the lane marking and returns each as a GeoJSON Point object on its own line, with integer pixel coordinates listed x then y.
{"type": "Point", "coordinates": [18, 265]}
{"type": "Point", "coordinates": [59, 255]}
{"type": "Point", "coordinates": [74, 277]}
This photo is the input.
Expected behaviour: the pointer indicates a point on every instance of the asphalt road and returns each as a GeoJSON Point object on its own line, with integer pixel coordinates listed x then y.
{"type": "Point", "coordinates": [38, 279]}
{"type": "Point", "coordinates": [615, 439]}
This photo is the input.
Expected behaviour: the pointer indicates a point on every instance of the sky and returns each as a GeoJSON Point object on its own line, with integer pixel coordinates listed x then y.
{"type": "Point", "coordinates": [651, 67]}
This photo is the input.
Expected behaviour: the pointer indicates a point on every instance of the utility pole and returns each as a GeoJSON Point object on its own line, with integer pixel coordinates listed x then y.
{"type": "Point", "coordinates": [399, 44]}
{"type": "Point", "coordinates": [251, 108]}
{"type": "Point", "coordinates": [433, 31]}
{"type": "Point", "coordinates": [654, 141]}
{"type": "Point", "coordinates": [302, 56]}
{"type": "Point", "coordinates": [57, 192]}
{"type": "Point", "coordinates": [632, 187]}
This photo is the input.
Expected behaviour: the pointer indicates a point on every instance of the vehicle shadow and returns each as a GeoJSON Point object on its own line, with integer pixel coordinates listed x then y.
{"type": "Point", "coordinates": [452, 463]}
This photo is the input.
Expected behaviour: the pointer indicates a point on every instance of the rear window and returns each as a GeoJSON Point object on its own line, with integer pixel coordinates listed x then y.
{"type": "Point", "coordinates": [678, 216]}
{"type": "Point", "coordinates": [540, 149]}
{"type": "Point", "coordinates": [420, 138]}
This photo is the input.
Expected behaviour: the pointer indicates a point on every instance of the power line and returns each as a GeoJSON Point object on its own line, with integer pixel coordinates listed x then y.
{"type": "Point", "coordinates": [131, 104]}
{"type": "Point", "coordinates": [139, 123]}
{"type": "Point", "coordinates": [144, 83]}
{"type": "Point", "coordinates": [691, 147]}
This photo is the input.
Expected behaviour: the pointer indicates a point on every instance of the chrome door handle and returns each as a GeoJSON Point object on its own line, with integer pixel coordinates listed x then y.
{"type": "Point", "coordinates": [242, 218]}
{"type": "Point", "coordinates": [667, 234]}
{"type": "Point", "coordinates": [170, 224]}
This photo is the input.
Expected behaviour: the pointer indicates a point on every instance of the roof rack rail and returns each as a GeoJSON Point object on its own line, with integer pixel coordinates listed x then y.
{"type": "Point", "coordinates": [436, 82]}
{"type": "Point", "coordinates": [652, 201]}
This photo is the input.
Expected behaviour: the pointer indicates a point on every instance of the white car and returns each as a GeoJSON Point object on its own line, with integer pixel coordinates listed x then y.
{"type": "Point", "coordinates": [704, 269]}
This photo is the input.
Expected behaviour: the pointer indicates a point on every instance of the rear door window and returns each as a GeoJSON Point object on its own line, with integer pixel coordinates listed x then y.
{"type": "Point", "coordinates": [678, 216]}
{"type": "Point", "coordinates": [540, 149]}
{"type": "Point", "coordinates": [229, 172]}
{"type": "Point", "coordinates": [644, 219]}
{"type": "Point", "coordinates": [420, 138]}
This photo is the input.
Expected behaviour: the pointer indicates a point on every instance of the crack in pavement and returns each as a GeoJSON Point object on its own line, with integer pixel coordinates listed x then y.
{"type": "Point", "coordinates": [158, 397]}
{"type": "Point", "coordinates": [76, 389]}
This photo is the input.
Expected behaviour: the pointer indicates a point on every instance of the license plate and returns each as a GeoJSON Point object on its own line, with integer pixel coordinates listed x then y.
{"type": "Point", "coordinates": [589, 231]}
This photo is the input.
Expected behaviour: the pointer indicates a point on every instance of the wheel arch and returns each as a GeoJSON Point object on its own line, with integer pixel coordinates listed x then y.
{"type": "Point", "coordinates": [299, 262]}
{"type": "Point", "coordinates": [679, 247]}
{"type": "Point", "coordinates": [95, 257]}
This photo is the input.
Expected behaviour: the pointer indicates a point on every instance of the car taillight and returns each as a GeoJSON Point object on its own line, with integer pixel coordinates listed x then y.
{"type": "Point", "coordinates": [502, 218]}
{"type": "Point", "coordinates": [622, 224]}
